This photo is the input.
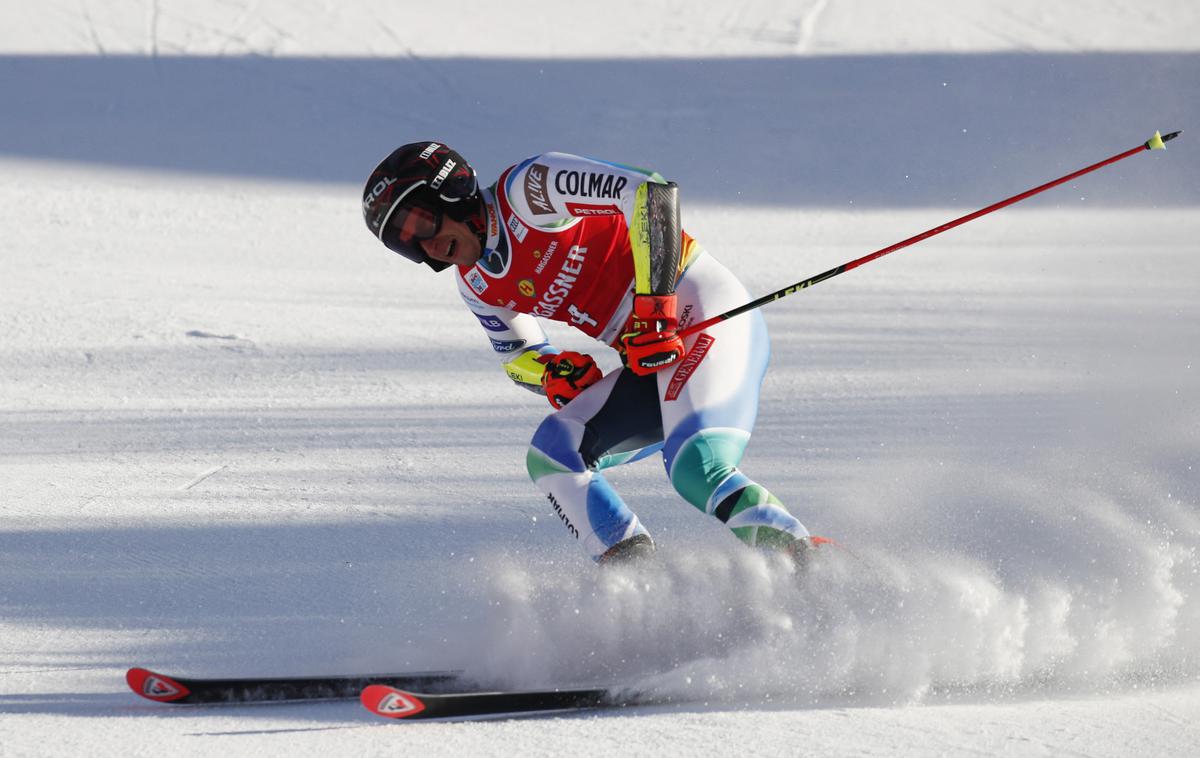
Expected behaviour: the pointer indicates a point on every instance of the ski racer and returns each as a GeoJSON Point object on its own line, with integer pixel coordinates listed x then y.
{"type": "Point", "coordinates": [598, 246]}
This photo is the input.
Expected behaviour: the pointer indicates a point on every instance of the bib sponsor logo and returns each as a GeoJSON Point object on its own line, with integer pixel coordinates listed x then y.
{"type": "Point", "coordinates": [506, 346]}
{"type": "Point", "coordinates": [688, 366]}
{"type": "Point", "coordinates": [589, 184]}
{"type": "Point", "coordinates": [583, 209]}
{"type": "Point", "coordinates": [518, 229]}
{"type": "Point", "coordinates": [545, 257]}
{"type": "Point", "coordinates": [535, 190]}
{"type": "Point", "coordinates": [558, 291]}
{"type": "Point", "coordinates": [525, 287]}
{"type": "Point", "coordinates": [476, 281]}
{"type": "Point", "coordinates": [491, 323]}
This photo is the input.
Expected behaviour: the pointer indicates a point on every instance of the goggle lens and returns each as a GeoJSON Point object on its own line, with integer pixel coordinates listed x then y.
{"type": "Point", "coordinates": [415, 224]}
{"type": "Point", "coordinates": [409, 225]}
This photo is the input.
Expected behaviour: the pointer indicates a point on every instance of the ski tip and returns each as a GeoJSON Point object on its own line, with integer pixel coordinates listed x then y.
{"type": "Point", "coordinates": [1157, 142]}
{"type": "Point", "coordinates": [390, 702]}
{"type": "Point", "coordinates": [152, 686]}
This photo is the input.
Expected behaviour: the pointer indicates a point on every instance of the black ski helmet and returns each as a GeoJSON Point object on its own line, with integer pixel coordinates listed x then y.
{"type": "Point", "coordinates": [409, 193]}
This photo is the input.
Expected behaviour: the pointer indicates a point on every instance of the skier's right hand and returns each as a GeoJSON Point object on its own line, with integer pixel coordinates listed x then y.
{"type": "Point", "coordinates": [567, 374]}
{"type": "Point", "coordinates": [651, 342]}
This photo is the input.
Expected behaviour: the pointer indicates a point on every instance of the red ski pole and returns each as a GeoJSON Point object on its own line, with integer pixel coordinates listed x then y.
{"type": "Point", "coordinates": [1154, 143]}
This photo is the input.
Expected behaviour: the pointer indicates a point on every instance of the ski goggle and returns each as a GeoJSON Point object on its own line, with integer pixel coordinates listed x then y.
{"type": "Point", "coordinates": [413, 218]}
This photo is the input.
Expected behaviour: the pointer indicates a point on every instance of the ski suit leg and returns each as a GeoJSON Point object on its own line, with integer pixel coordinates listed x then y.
{"type": "Point", "coordinates": [614, 421]}
{"type": "Point", "coordinates": [699, 414]}
{"type": "Point", "coordinates": [709, 405]}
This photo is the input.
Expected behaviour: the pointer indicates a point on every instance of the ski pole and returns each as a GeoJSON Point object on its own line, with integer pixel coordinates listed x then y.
{"type": "Point", "coordinates": [1154, 143]}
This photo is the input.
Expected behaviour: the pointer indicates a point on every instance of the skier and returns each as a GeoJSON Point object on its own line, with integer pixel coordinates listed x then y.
{"type": "Point", "coordinates": [598, 246]}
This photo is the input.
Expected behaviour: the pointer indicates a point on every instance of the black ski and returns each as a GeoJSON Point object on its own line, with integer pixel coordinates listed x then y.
{"type": "Point", "coordinates": [395, 703]}
{"type": "Point", "coordinates": [179, 690]}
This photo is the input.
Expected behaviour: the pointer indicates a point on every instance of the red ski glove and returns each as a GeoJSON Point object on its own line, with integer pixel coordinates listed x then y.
{"type": "Point", "coordinates": [566, 375]}
{"type": "Point", "coordinates": [651, 342]}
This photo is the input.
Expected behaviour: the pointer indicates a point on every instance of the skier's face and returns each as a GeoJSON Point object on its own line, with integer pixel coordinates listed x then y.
{"type": "Point", "coordinates": [454, 243]}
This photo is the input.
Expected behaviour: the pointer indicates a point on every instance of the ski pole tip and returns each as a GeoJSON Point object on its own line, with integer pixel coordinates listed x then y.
{"type": "Point", "coordinates": [1156, 142]}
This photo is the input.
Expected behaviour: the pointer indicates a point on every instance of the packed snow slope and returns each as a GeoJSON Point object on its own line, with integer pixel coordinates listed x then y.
{"type": "Point", "coordinates": [239, 437]}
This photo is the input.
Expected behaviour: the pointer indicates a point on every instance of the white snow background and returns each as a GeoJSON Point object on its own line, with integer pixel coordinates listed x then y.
{"type": "Point", "coordinates": [237, 436]}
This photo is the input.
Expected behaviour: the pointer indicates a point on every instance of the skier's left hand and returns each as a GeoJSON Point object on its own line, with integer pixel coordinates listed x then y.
{"type": "Point", "coordinates": [651, 341]}
{"type": "Point", "coordinates": [567, 374]}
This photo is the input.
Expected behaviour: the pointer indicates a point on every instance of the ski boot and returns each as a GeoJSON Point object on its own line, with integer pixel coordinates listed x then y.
{"type": "Point", "coordinates": [803, 551]}
{"type": "Point", "coordinates": [634, 550]}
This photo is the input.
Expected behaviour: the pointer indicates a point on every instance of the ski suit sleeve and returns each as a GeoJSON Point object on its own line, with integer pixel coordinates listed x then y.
{"type": "Point", "coordinates": [517, 338]}
{"type": "Point", "coordinates": [553, 190]}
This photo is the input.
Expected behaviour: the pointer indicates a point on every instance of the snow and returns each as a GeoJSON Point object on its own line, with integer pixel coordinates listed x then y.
{"type": "Point", "coordinates": [240, 437]}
